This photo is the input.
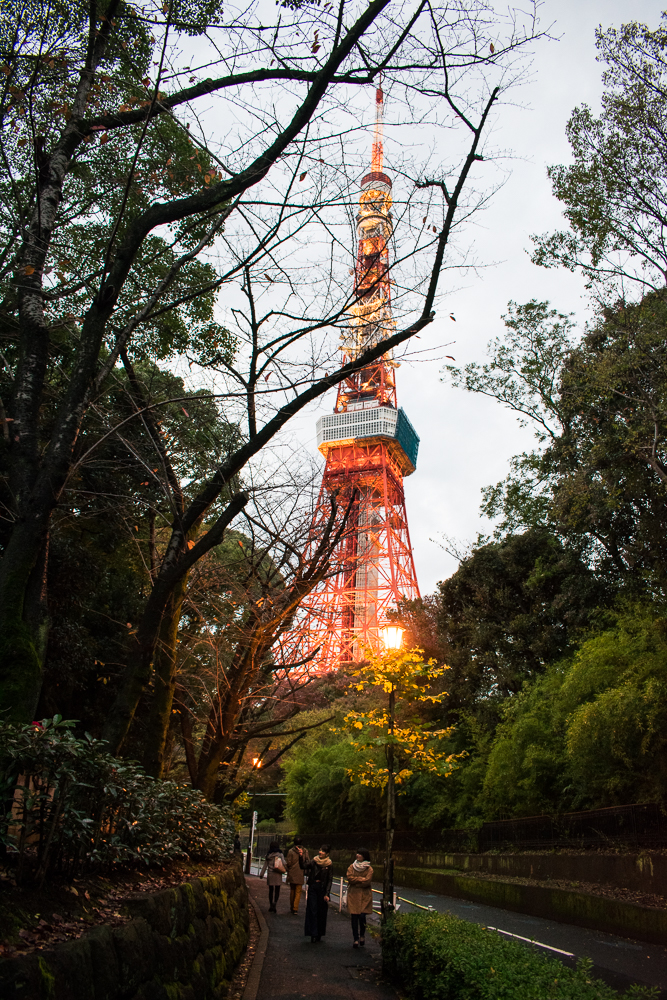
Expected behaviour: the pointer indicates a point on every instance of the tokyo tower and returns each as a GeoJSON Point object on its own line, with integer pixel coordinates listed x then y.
{"type": "Point", "coordinates": [369, 446]}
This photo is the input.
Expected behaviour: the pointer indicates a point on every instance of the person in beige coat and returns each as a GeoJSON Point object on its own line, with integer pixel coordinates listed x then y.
{"type": "Point", "coordinates": [359, 895]}
{"type": "Point", "coordinates": [274, 876]}
{"type": "Point", "coordinates": [297, 860]}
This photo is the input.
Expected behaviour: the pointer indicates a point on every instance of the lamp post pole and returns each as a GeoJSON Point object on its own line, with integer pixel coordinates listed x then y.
{"type": "Point", "coordinates": [392, 637]}
{"type": "Point", "coordinates": [256, 764]}
{"type": "Point", "coordinates": [388, 882]}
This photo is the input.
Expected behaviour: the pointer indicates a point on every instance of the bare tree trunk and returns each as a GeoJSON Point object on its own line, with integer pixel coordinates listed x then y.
{"type": "Point", "coordinates": [24, 623]}
{"type": "Point", "coordinates": [171, 577]}
{"type": "Point", "coordinates": [164, 681]}
{"type": "Point", "coordinates": [188, 742]}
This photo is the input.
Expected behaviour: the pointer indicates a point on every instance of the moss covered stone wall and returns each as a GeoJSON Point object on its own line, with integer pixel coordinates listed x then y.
{"type": "Point", "coordinates": [182, 943]}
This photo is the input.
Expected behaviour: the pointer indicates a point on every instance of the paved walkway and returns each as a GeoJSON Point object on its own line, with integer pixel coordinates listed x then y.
{"type": "Point", "coordinates": [330, 970]}
{"type": "Point", "coordinates": [618, 961]}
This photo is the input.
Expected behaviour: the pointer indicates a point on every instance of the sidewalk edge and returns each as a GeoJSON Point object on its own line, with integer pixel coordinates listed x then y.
{"type": "Point", "coordinates": [255, 974]}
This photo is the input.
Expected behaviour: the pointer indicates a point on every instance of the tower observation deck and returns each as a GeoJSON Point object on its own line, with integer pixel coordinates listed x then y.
{"type": "Point", "coordinates": [370, 446]}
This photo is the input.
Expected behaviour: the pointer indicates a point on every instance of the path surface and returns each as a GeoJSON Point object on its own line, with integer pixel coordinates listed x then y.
{"type": "Point", "coordinates": [330, 970]}
{"type": "Point", "coordinates": [618, 961]}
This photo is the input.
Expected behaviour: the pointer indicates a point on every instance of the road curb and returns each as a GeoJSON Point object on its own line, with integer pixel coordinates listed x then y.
{"type": "Point", "coordinates": [255, 974]}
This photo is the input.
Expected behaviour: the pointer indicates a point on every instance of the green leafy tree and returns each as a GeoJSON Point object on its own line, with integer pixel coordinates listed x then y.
{"type": "Point", "coordinates": [321, 794]}
{"type": "Point", "coordinates": [598, 481]}
{"type": "Point", "coordinates": [591, 732]}
{"type": "Point", "coordinates": [525, 367]}
{"type": "Point", "coordinates": [609, 472]}
{"type": "Point", "coordinates": [614, 194]}
{"type": "Point", "coordinates": [511, 608]}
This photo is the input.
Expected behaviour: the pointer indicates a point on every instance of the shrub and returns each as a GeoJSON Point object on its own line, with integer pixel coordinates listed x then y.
{"type": "Point", "coordinates": [440, 957]}
{"type": "Point", "coordinates": [68, 804]}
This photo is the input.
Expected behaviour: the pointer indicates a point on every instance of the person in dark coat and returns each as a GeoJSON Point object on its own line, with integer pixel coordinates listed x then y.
{"type": "Point", "coordinates": [359, 895]}
{"type": "Point", "coordinates": [320, 877]}
{"type": "Point", "coordinates": [274, 878]}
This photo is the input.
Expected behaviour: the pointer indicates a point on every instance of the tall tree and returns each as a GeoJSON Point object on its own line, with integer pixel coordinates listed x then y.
{"type": "Point", "coordinates": [511, 608]}
{"type": "Point", "coordinates": [598, 482]}
{"type": "Point", "coordinates": [614, 194]}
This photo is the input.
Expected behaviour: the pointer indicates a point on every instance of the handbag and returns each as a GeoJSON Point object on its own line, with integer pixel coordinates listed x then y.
{"type": "Point", "coordinates": [279, 865]}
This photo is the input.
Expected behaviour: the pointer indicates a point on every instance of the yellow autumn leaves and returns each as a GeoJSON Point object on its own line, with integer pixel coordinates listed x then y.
{"type": "Point", "coordinates": [407, 680]}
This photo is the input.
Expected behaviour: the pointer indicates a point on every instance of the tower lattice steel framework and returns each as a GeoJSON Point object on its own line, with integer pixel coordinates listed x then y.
{"type": "Point", "coordinates": [370, 446]}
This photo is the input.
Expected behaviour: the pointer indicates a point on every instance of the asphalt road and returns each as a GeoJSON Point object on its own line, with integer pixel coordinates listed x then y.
{"type": "Point", "coordinates": [617, 961]}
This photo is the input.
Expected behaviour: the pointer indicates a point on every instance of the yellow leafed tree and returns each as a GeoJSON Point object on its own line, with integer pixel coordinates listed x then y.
{"type": "Point", "coordinates": [403, 743]}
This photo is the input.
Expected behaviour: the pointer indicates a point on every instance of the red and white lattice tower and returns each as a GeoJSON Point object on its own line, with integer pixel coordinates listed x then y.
{"type": "Point", "coordinates": [370, 446]}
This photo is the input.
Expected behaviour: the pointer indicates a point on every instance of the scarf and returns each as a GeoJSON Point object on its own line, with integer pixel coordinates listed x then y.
{"type": "Point", "coordinates": [322, 862]}
{"type": "Point", "coordinates": [361, 866]}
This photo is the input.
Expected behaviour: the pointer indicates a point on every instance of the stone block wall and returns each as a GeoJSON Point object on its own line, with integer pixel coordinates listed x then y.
{"type": "Point", "coordinates": [182, 943]}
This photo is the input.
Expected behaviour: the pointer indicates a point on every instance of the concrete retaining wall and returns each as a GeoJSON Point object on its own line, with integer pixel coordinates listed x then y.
{"type": "Point", "coordinates": [181, 944]}
{"type": "Point", "coordinates": [567, 906]}
{"type": "Point", "coordinates": [582, 909]}
{"type": "Point", "coordinates": [645, 872]}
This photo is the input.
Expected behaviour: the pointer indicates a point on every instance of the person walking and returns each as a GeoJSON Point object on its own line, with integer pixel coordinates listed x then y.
{"type": "Point", "coordinates": [275, 867]}
{"type": "Point", "coordinates": [297, 860]}
{"type": "Point", "coordinates": [359, 895]}
{"type": "Point", "coordinates": [320, 877]}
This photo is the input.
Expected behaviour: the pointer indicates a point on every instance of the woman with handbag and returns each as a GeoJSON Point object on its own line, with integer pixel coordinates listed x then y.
{"type": "Point", "coordinates": [359, 895]}
{"type": "Point", "coordinates": [275, 867]}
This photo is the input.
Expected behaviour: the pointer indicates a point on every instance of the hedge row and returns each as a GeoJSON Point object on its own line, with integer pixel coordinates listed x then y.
{"type": "Point", "coordinates": [440, 957]}
{"type": "Point", "coordinates": [69, 804]}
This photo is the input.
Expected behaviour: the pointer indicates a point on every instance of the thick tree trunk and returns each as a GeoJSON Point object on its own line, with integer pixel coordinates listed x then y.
{"type": "Point", "coordinates": [208, 766]}
{"type": "Point", "coordinates": [23, 620]}
{"type": "Point", "coordinates": [164, 682]}
{"type": "Point", "coordinates": [175, 567]}
{"type": "Point", "coordinates": [137, 673]}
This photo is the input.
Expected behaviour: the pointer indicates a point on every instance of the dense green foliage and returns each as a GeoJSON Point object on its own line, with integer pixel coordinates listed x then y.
{"type": "Point", "coordinates": [68, 804]}
{"type": "Point", "coordinates": [614, 194]}
{"type": "Point", "coordinates": [111, 532]}
{"type": "Point", "coordinates": [440, 957]}
{"type": "Point", "coordinates": [320, 792]}
{"type": "Point", "coordinates": [592, 731]}
{"type": "Point", "coordinates": [512, 607]}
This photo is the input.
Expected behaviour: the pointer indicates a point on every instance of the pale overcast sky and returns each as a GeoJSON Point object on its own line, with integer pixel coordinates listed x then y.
{"type": "Point", "coordinates": [467, 441]}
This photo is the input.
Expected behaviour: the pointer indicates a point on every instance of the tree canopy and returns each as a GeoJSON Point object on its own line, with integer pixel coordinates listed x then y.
{"type": "Point", "coordinates": [614, 194]}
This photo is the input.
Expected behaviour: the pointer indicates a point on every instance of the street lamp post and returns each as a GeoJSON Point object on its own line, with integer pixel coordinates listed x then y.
{"type": "Point", "coordinates": [392, 637]}
{"type": "Point", "coordinates": [256, 764]}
